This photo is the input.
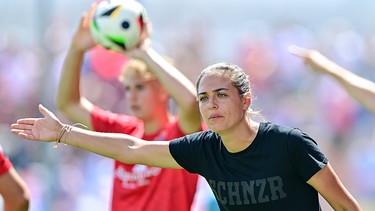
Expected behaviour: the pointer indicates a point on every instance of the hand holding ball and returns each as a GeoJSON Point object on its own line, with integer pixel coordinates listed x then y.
{"type": "Point", "coordinates": [117, 25]}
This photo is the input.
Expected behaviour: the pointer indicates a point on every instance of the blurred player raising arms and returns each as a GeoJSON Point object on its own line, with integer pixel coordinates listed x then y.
{"type": "Point", "coordinates": [149, 81]}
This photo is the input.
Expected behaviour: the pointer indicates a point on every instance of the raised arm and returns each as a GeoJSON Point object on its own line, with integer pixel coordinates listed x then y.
{"type": "Point", "coordinates": [359, 88]}
{"type": "Point", "coordinates": [69, 101]}
{"type": "Point", "coordinates": [181, 89]}
{"type": "Point", "coordinates": [327, 183]}
{"type": "Point", "coordinates": [120, 147]}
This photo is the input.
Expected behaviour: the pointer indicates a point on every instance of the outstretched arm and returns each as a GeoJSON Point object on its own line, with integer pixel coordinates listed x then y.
{"type": "Point", "coordinates": [120, 147]}
{"type": "Point", "coordinates": [359, 88]}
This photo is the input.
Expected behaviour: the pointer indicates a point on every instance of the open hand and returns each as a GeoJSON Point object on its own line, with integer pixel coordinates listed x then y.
{"type": "Point", "coordinates": [38, 129]}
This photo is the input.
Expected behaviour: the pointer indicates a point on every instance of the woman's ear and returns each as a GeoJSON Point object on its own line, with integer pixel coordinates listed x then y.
{"type": "Point", "coordinates": [164, 94]}
{"type": "Point", "coordinates": [246, 101]}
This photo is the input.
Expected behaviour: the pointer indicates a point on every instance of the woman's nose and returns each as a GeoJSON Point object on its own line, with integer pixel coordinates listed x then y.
{"type": "Point", "coordinates": [131, 94]}
{"type": "Point", "coordinates": [212, 103]}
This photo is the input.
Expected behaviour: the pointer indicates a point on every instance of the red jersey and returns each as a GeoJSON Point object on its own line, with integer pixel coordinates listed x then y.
{"type": "Point", "coordinates": [5, 163]}
{"type": "Point", "coordinates": [140, 187]}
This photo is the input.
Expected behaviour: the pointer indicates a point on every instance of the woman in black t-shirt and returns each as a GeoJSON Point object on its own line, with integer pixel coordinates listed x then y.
{"type": "Point", "coordinates": [248, 165]}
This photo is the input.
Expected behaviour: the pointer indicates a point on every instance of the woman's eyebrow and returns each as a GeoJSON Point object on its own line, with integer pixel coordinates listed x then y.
{"type": "Point", "coordinates": [215, 90]}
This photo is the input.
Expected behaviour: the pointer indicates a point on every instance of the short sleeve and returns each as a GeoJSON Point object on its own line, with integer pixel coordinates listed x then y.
{"type": "Point", "coordinates": [190, 151]}
{"type": "Point", "coordinates": [5, 164]}
{"type": "Point", "coordinates": [306, 157]}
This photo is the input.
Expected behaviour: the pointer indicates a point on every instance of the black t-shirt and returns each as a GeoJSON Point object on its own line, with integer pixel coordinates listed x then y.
{"type": "Point", "coordinates": [270, 174]}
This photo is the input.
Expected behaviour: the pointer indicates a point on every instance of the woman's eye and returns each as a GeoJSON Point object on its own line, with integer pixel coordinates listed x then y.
{"type": "Point", "coordinates": [202, 99]}
{"type": "Point", "coordinates": [221, 95]}
{"type": "Point", "coordinates": [140, 87]}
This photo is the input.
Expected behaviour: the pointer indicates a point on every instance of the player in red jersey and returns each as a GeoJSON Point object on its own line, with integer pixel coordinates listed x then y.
{"type": "Point", "coordinates": [149, 81]}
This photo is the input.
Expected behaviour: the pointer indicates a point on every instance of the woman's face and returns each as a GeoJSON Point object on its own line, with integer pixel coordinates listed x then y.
{"type": "Point", "coordinates": [143, 97]}
{"type": "Point", "coordinates": [221, 107]}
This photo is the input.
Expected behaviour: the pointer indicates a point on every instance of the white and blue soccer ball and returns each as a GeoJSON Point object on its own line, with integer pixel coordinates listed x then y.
{"type": "Point", "coordinates": [117, 24]}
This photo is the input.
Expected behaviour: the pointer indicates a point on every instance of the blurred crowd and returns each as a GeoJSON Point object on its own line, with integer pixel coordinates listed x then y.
{"type": "Point", "coordinates": [286, 91]}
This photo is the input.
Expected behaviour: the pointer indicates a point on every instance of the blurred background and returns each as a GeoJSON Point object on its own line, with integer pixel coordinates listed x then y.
{"type": "Point", "coordinates": [34, 35]}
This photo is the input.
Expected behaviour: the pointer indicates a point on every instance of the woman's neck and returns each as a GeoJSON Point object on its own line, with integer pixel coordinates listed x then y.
{"type": "Point", "coordinates": [241, 137]}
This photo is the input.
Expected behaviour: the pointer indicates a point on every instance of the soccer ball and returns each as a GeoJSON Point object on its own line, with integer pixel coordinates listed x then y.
{"type": "Point", "coordinates": [117, 25]}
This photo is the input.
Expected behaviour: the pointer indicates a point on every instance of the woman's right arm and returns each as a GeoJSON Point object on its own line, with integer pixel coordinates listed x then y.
{"type": "Point", "coordinates": [121, 147]}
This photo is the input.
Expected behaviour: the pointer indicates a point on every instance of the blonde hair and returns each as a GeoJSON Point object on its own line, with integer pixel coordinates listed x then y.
{"type": "Point", "coordinates": [135, 68]}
